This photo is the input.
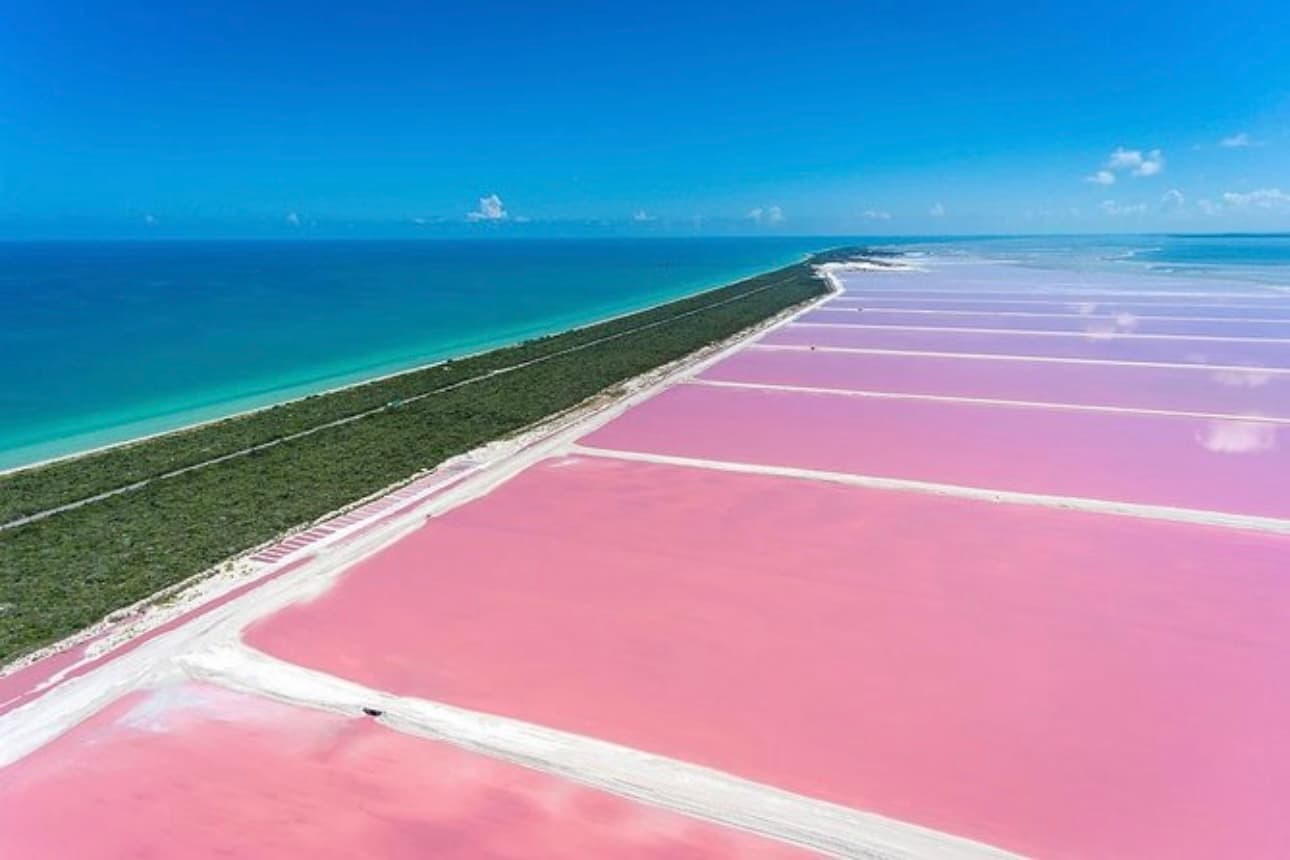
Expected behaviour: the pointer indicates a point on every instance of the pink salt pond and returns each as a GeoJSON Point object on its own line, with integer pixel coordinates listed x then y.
{"type": "Point", "coordinates": [1096, 324]}
{"type": "Point", "coordinates": [1235, 392]}
{"type": "Point", "coordinates": [196, 771]}
{"type": "Point", "coordinates": [1103, 305]}
{"type": "Point", "coordinates": [1095, 346]}
{"type": "Point", "coordinates": [1231, 466]}
{"type": "Point", "coordinates": [1056, 683]}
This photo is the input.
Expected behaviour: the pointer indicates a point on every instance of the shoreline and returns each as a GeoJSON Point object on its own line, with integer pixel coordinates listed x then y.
{"type": "Point", "coordinates": [239, 574]}
{"type": "Point", "coordinates": [505, 342]}
{"type": "Point", "coordinates": [178, 511]}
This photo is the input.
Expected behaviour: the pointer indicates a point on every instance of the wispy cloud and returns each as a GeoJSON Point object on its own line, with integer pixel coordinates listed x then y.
{"type": "Point", "coordinates": [1123, 159]}
{"type": "Point", "coordinates": [876, 215]}
{"type": "Point", "coordinates": [1262, 198]}
{"type": "Point", "coordinates": [150, 220]}
{"type": "Point", "coordinates": [766, 215]}
{"type": "Point", "coordinates": [1240, 140]}
{"type": "Point", "coordinates": [641, 216]}
{"type": "Point", "coordinates": [490, 209]}
{"type": "Point", "coordinates": [1172, 200]}
{"type": "Point", "coordinates": [292, 219]}
{"type": "Point", "coordinates": [1101, 177]}
{"type": "Point", "coordinates": [1111, 207]}
{"type": "Point", "coordinates": [937, 210]}
{"type": "Point", "coordinates": [1269, 199]}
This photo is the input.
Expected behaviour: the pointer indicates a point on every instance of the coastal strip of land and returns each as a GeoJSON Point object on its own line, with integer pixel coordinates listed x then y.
{"type": "Point", "coordinates": [82, 537]}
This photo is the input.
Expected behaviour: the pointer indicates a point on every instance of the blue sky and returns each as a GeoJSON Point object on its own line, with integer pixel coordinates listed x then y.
{"type": "Point", "coordinates": [381, 118]}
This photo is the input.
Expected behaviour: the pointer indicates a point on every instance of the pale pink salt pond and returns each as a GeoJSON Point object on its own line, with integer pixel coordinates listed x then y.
{"type": "Point", "coordinates": [1234, 392]}
{"type": "Point", "coordinates": [1080, 346]}
{"type": "Point", "coordinates": [196, 771]}
{"type": "Point", "coordinates": [1057, 683]}
{"type": "Point", "coordinates": [932, 289]}
{"type": "Point", "coordinates": [1181, 307]}
{"type": "Point", "coordinates": [1226, 465]}
{"type": "Point", "coordinates": [1099, 323]}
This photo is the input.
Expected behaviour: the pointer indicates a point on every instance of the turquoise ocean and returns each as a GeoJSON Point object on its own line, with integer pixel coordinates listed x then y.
{"type": "Point", "coordinates": [106, 341]}
{"type": "Point", "coordinates": [103, 342]}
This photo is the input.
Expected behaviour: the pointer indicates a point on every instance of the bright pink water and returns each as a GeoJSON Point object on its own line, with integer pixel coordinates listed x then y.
{"type": "Point", "coordinates": [201, 772]}
{"type": "Point", "coordinates": [1061, 684]}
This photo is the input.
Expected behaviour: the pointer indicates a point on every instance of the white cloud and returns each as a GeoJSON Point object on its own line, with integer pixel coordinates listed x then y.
{"type": "Point", "coordinates": [876, 215]}
{"type": "Point", "coordinates": [1263, 198]}
{"type": "Point", "coordinates": [490, 209]}
{"type": "Point", "coordinates": [1153, 163]}
{"type": "Point", "coordinates": [1208, 207]}
{"type": "Point", "coordinates": [292, 219]}
{"type": "Point", "coordinates": [641, 216]}
{"type": "Point", "coordinates": [1132, 160]}
{"type": "Point", "coordinates": [1172, 200]}
{"type": "Point", "coordinates": [937, 210]}
{"type": "Point", "coordinates": [767, 215]}
{"type": "Point", "coordinates": [1124, 159]}
{"type": "Point", "coordinates": [1236, 141]}
{"type": "Point", "coordinates": [1110, 207]}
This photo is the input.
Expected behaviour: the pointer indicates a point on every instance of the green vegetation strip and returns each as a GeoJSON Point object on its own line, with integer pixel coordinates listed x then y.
{"type": "Point", "coordinates": [64, 572]}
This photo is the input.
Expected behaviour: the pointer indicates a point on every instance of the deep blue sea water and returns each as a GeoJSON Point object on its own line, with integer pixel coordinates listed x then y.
{"type": "Point", "coordinates": [101, 342]}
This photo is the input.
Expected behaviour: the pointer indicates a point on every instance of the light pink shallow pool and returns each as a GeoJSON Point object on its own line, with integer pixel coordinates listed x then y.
{"type": "Point", "coordinates": [1224, 392]}
{"type": "Point", "coordinates": [1099, 305]}
{"type": "Point", "coordinates": [1110, 348]}
{"type": "Point", "coordinates": [1226, 465]}
{"type": "Point", "coordinates": [1057, 683]}
{"type": "Point", "coordinates": [935, 290]}
{"type": "Point", "coordinates": [201, 772]}
{"type": "Point", "coordinates": [1099, 323]}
